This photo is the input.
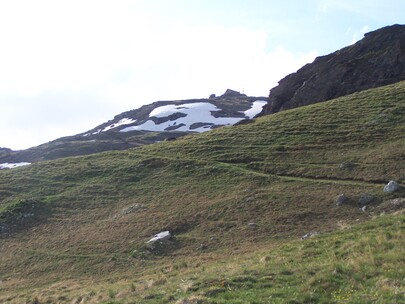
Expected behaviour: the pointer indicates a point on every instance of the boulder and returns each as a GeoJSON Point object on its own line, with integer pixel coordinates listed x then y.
{"type": "Point", "coordinates": [309, 235]}
{"type": "Point", "coordinates": [341, 199]}
{"type": "Point", "coordinates": [252, 225]}
{"type": "Point", "coordinates": [161, 236]}
{"type": "Point", "coordinates": [347, 166]}
{"type": "Point", "coordinates": [392, 186]}
{"type": "Point", "coordinates": [365, 199]}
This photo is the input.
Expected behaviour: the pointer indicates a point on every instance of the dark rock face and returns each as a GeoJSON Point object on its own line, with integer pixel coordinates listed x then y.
{"type": "Point", "coordinates": [232, 93]}
{"type": "Point", "coordinates": [376, 60]}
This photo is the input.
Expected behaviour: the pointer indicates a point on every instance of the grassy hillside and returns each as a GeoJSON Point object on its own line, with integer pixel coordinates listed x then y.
{"type": "Point", "coordinates": [237, 201]}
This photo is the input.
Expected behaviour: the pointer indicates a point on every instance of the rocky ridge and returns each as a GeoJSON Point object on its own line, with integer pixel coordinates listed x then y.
{"type": "Point", "coordinates": [376, 60]}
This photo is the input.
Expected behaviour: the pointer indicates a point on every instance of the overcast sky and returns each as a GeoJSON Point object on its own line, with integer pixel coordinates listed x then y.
{"type": "Point", "coordinates": [67, 66]}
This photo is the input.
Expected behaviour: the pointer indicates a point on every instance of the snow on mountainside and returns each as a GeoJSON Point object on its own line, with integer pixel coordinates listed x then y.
{"type": "Point", "coordinates": [13, 165]}
{"type": "Point", "coordinates": [158, 121]}
{"type": "Point", "coordinates": [185, 116]}
{"type": "Point", "coordinates": [197, 113]}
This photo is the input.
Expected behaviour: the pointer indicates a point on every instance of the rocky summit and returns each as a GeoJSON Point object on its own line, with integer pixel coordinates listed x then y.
{"type": "Point", "coordinates": [376, 60]}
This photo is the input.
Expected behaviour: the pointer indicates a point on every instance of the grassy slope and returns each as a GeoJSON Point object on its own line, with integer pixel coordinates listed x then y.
{"type": "Point", "coordinates": [93, 214]}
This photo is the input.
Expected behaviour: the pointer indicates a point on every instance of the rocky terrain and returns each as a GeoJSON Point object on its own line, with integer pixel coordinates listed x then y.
{"type": "Point", "coordinates": [159, 121]}
{"type": "Point", "coordinates": [376, 60]}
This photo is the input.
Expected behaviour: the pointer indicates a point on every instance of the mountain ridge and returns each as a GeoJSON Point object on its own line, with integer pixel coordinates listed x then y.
{"type": "Point", "coordinates": [145, 126]}
{"type": "Point", "coordinates": [376, 60]}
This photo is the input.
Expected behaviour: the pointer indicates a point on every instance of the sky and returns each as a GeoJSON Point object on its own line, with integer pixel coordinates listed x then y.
{"type": "Point", "coordinates": [68, 66]}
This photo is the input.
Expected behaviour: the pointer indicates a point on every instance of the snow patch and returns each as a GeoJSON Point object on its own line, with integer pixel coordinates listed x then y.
{"type": "Point", "coordinates": [164, 111]}
{"type": "Point", "coordinates": [98, 131]}
{"type": "Point", "coordinates": [256, 108]}
{"type": "Point", "coordinates": [13, 165]}
{"type": "Point", "coordinates": [196, 112]}
{"type": "Point", "coordinates": [124, 121]}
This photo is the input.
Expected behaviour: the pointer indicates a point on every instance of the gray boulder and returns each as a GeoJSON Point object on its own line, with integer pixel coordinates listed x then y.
{"type": "Point", "coordinates": [310, 235]}
{"type": "Point", "coordinates": [252, 225]}
{"type": "Point", "coordinates": [161, 236]}
{"type": "Point", "coordinates": [341, 199]}
{"type": "Point", "coordinates": [392, 186]}
{"type": "Point", "coordinates": [347, 166]}
{"type": "Point", "coordinates": [365, 199]}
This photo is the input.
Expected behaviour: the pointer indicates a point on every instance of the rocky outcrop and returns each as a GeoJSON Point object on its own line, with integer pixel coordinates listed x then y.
{"type": "Point", "coordinates": [376, 60]}
{"type": "Point", "coordinates": [232, 93]}
{"type": "Point", "coordinates": [392, 186]}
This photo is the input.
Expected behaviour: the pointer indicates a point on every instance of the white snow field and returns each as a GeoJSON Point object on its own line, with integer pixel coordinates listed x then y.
{"type": "Point", "coordinates": [199, 112]}
{"type": "Point", "coordinates": [255, 109]}
{"type": "Point", "coordinates": [124, 121]}
{"type": "Point", "coordinates": [13, 165]}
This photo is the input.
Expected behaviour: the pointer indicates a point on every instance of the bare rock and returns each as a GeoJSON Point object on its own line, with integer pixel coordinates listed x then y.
{"type": "Point", "coordinates": [161, 236]}
{"type": "Point", "coordinates": [310, 235]}
{"type": "Point", "coordinates": [365, 199]}
{"type": "Point", "coordinates": [376, 60]}
{"type": "Point", "coordinates": [341, 199]}
{"type": "Point", "coordinates": [392, 186]}
{"type": "Point", "coordinates": [231, 93]}
{"type": "Point", "coordinates": [252, 225]}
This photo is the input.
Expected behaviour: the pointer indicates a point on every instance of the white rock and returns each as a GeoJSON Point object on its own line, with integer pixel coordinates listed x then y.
{"type": "Point", "coordinates": [252, 225]}
{"type": "Point", "coordinates": [392, 186]}
{"type": "Point", "coordinates": [161, 236]}
{"type": "Point", "coordinates": [309, 235]}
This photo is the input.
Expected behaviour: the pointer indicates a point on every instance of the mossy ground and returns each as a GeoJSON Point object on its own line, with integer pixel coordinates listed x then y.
{"type": "Point", "coordinates": [281, 172]}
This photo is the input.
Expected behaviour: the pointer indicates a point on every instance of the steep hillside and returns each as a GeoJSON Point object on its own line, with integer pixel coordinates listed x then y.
{"type": "Point", "coordinates": [376, 60]}
{"type": "Point", "coordinates": [237, 200]}
{"type": "Point", "coordinates": [161, 120]}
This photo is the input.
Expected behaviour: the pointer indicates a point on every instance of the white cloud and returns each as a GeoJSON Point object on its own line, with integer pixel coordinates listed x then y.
{"type": "Point", "coordinates": [69, 65]}
{"type": "Point", "coordinates": [189, 62]}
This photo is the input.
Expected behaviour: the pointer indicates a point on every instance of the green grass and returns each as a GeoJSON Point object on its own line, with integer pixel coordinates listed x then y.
{"type": "Point", "coordinates": [93, 214]}
{"type": "Point", "coordinates": [359, 264]}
